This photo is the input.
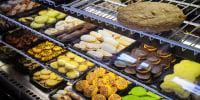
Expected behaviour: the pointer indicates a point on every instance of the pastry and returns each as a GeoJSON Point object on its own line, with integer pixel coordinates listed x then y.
{"type": "Point", "coordinates": [90, 64]}
{"type": "Point", "coordinates": [71, 55]}
{"type": "Point", "coordinates": [105, 90]}
{"type": "Point", "coordinates": [98, 82]}
{"type": "Point", "coordinates": [143, 67]}
{"type": "Point", "coordinates": [150, 48]}
{"type": "Point", "coordinates": [81, 85]}
{"type": "Point", "coordinates": [71, 65]}
{"type": "Point", "coordinates": [36, 25]}
{"type": "Point", "coordinates": [52, 13]}
{"type": "Point", "coordinates": [97, 35]}
{"type": "Point", "coordinates": [51, 20]}
{"type": "Point", "coordinates": [121, 84]}
{"type": "Point", "coordinates": [65, 97]}
{"type": "Point", "coordinates": [140, 52]}
{"type": "Point", "coordinates": [41, 19]}
{"type": "Point", "coordinates": [138, 91]}
{"type": "Point", "coordinates": [42, 12]}
{"type": "Point", "coordinates": [146, 16]}
{"type": "Point", "coordinates": [79, 59]}
{"type": "Point", "coordinates": [165, 63]}
{"type": "Point", "coordinates": [95, 54]}
{"type": "Point", "coordinates": [154, 58]}
{"type": "Point", "coordinates": [105, 53]}
{"type": "Point", "coordinates": [156, 70]}
{"type": "Point", "coordinates": [114, 89]}
{"type": "Point", "coordinates": [164, 54]}
{"type": "Point", "coordinates": [98, 97]}
{"type": "Point", "coordinates": [54, 65]}
{"type": "Point", "coordinates": [144, 76]}
{"type": "Point", "coordinates": [109, 48]}
{"type": "Point", "coordinates": [131, 97]}
{"type": "Point", "coordinates": [61, 16]}
{"type": "Point", "coordinates": [149, 93]}
{"type": "Point", "coordinates": [88, 38]}
{"type": "Point", "coordinates": [130, 70]}
{"type": "Point", "coordinates": [90, 77]}
{"type": "Point", "coordinates": [111, 41]}
{"type": "Point", "coordinates": [120, 64]}
{"type": "Point", "coordinates": [26, 20]}
{"type": "Point", "coordinates": [46, 78]}
{"type": "Point", "coordinates": [72, 74]}
{"type": "Point", "coordinates": [90, 91]}
{"type": "Point", "coordinates": [62, 70]}
{"type": "Point", "coordinates": [51, 31]}
{"type": "Point", "coordinates": [100, 71]}
{"type": "Point", "coordinates": [109, 79]}
{"type": "Point", "coordinates": [82, 68]}
{"type": "Point", "coordinates": [114, 97]}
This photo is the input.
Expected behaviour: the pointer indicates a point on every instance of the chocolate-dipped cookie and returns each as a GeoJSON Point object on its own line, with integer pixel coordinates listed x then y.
{"type": "Point", "coordinates": [120, 64]}
{"type": "Point", "coordinates": [130, 70]}
{"type": "Point", "coordinates": [154, 58]}
{"type": "Point", "coordinates": [144, 76]}
{"type": "Point", "coordinates": [165, 63]}
{"type": "Point", "coordinates": [163, 54]}
{"type": "Point", "coordinates": [156, 70]}
{"type": "Point", "coordinates": [143, 67]}
{"type": "Point", "coordinates": [150, 48]}
{"type": "Point", "coordinates": [140, 52]}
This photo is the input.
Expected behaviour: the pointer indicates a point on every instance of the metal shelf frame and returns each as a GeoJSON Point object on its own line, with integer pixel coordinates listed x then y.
{"type": "Point", "coordinates": [115, 24]}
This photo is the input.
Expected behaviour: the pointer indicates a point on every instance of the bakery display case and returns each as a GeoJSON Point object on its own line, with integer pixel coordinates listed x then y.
{"type": "Point", "coordinates": [80, 50]}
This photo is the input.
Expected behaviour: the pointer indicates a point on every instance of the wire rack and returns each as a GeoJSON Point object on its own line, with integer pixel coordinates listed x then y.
{"type": "Point", "coordinates": [186, 36]}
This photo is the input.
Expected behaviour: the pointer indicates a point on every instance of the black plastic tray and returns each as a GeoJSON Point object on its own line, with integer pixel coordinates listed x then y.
{"type": "Point", "coordinates": [40, 86]}
{"type": "Point", "coordinates": [33, 10]}
{"type": "Point", "coordinates": [32, 56]}
{"type": "Point", "coordinates": [18, 33]}
{"type": "Point", "coordinates": [60, 88]}
{"type": "Point", "coordinates": [55, 37]}
{"type": "Point", "coordinates": [153, 80]}
{"type": "Point", "coordinates": [104, 60]}
{"type": "Point", "coordinates": [32, 13]}
{"type": "Point", "coordinates": [121, 92]}
{"type": "Point", "coordinates": [81, 74]}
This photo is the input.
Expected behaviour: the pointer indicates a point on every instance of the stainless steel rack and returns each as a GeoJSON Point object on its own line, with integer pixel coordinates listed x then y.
{"type": "Point", "coordinates": [21, 83]}
{"type": "Point", "coordinates": [103, 14]}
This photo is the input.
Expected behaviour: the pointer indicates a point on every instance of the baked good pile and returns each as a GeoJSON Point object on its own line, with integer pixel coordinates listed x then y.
{"type": "Point", "coordinates": [102, 84]}
{"type": "Point", "coordinates": [151, 16]}
{"type": "Point", "coordinates": [71, 65]}
{"type": "Point", "coordinates": [146, 62]}
{"type": "Point", "coordinates": [103, 43]}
